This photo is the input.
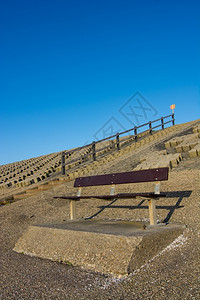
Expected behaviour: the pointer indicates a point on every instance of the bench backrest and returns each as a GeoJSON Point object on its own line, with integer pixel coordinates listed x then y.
{"type": "Point", "coordinates": [158, 174]}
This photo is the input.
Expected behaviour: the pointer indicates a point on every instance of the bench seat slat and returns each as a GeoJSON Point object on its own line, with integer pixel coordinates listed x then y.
{"type": "Point", "coordinates": [158, 174]}
{"type": "Point", "coordinates": [118, 196]}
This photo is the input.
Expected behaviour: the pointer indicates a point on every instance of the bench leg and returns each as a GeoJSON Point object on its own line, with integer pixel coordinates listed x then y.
{"type": "Point", "coordinates": [72, 210]}
{"type": "Point", "coordinates": [152, 212]}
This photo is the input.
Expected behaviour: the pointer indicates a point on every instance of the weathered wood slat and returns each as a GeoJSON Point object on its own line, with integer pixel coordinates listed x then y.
{"type": "Point", "coordinates": [158, 174]}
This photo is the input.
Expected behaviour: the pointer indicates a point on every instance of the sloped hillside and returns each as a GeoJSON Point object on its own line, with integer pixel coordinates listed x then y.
{"type": "Point", "coordinates": [172, 274]}
{"type": "Point", "coordinates": [44, 172]}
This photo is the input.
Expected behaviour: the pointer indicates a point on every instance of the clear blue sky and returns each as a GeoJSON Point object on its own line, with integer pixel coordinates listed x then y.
{"type": "Point", "coordinates": [68, 67]}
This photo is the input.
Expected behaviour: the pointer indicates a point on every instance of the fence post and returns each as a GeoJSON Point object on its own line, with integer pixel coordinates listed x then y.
{"type": "Point", "coordinates": [117, 141]}
{"type": "Point", "coordinates": [150, 127]}
{"type": "Point", "coordinates": [93, 151]}
{"type": "Point", "coordinates": [63, 163]}
{"type": "Point", "coordinates": [173, 120]}
{"type": "Point", "coordinates": [162, 123]}
{"type": "Point", "coordinates": [135, 133]}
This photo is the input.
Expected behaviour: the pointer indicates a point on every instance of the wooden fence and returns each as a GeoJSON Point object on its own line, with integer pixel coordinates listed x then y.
{"type": "Point", "coordinates": [90, 151]}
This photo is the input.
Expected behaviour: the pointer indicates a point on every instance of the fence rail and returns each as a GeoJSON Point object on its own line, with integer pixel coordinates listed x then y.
{"type": "Point", "coordinates": [92, 151]}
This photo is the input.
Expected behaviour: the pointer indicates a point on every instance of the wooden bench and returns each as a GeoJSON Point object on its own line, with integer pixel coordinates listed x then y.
{"type": "Point", "coordinates": [150, 175]}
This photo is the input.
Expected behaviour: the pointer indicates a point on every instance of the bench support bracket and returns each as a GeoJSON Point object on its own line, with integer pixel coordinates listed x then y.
{"type": "Point", "coordinates": [112, 189]}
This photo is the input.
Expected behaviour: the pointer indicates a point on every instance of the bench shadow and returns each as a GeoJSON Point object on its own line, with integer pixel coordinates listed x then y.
{"type": "Point", "coordinates": [171, 208]}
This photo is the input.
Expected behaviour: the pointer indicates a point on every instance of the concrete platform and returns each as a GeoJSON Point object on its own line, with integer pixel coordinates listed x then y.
{"type": "Point", "coordinates": [117, 247]}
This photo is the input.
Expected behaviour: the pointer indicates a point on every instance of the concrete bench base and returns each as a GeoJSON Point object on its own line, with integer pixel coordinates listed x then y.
{"type": "Point", "coordinates": [116, 247]}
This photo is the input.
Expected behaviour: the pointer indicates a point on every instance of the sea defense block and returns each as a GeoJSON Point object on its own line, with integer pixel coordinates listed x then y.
{"type": "Point", "coordinates": [186, 148]}
{"type": "Point", "coordinates": [167, 145]}
{"type": "Point", "coordinates": [193, 153]}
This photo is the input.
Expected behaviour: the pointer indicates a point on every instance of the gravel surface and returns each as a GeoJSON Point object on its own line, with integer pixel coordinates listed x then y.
{"type": "Point", "coordinates": [172, 274]}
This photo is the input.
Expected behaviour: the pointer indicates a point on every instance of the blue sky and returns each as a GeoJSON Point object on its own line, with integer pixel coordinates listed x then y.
{"type": "Point", "coordinates": [68, 67]}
